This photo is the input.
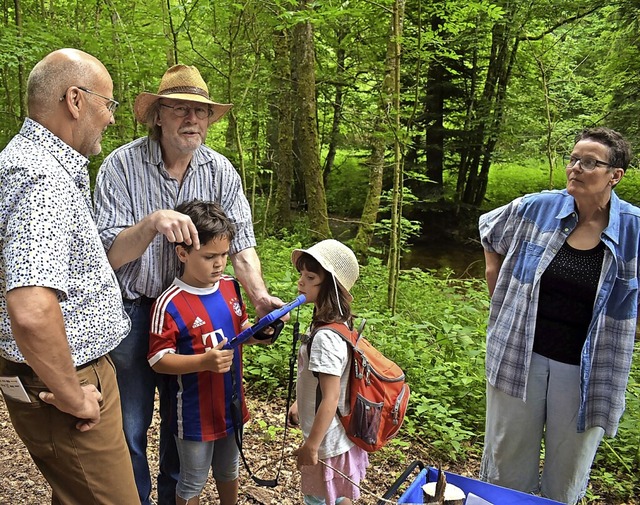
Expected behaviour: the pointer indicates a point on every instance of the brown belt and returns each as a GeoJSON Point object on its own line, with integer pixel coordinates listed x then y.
{"type": "Point", "coordinates": [24, 370]}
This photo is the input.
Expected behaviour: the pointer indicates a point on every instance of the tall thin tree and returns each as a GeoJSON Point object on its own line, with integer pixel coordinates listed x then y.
{"type": "Point", "coordinates": [306, 126]}
{"type": "Point", "coordinates": [395, 240]}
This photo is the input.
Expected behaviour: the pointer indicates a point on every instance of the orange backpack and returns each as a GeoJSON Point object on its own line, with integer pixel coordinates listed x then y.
{"type": "Point", "coordinates": [377, 393]}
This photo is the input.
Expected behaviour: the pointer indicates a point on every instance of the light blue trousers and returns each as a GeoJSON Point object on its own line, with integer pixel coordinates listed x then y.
{"type": "Point", "coordinates": [515, 431]}
{"type": "Point", "coordinates": [196, 458]}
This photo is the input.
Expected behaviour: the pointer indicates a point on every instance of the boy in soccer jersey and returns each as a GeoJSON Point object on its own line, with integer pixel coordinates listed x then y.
{"type": "Point", "coordinates": [190, 323]}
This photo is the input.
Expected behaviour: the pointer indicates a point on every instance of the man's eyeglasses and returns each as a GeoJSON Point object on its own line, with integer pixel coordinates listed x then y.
{"type": "Point", "coordinates": [111, 104]}
{"type": "Point", "coordinates": [587, 163]}
{"type": "Point", "coordinates": [185, 110]}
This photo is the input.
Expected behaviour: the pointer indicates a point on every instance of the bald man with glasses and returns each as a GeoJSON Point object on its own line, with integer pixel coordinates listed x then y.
{"type": "Point", "coordinates": [60, 308]}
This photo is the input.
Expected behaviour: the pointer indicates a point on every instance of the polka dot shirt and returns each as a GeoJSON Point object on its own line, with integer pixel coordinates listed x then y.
{"type": "Point", "coordinates": [48, 238]}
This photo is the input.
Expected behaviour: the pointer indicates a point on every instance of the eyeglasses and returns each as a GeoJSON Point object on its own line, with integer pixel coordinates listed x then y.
{"type": "Point", "coordinates": [185, 110]}
{"type": "Point", "coordinates": [587, 163]}
{"type": "Point", "coordinates": [111, 104]}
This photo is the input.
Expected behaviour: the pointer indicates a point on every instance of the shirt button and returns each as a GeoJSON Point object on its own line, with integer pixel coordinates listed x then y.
{"type": "Point", "coordinates": [566, 229]}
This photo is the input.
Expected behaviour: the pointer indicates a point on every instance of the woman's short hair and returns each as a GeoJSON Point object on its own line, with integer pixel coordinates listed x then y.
{"type": "Point", "coordinates": [619, 148]}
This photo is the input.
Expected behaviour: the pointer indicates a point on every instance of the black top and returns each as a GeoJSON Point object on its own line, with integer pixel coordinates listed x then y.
{"type": "Point", "coordinates": [567, 294]}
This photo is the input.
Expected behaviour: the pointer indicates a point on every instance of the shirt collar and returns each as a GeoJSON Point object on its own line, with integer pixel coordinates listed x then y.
{"type": "Point", "coordinates": [154, 153]}
{"type": "Point", "coordinates": [568, 206]}
{"type": "Point", "coordinates": [71, 160]}
{"type": "Point", "coordinates": [612, 231]}
{"type": "Point", "coordinates": [613, 228]}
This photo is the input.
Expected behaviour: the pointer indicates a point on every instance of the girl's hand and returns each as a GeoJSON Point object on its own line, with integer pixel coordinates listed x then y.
{"type": "Point", "coordinates": [292, 416]}
{"type": "Point", "coordinates": [307, 455]}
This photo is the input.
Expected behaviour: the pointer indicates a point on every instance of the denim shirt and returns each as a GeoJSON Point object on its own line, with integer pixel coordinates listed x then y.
{"type": "Point", "coordinates": [529, 232]}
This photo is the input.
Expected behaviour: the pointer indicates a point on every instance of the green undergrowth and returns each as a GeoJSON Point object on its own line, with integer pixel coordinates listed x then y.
{"type": "Point", "coordinates": [437, 336]}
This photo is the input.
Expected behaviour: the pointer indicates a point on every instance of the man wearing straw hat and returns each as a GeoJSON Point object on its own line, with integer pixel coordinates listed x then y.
{"type": "Point", "coordinates": [138, 186]}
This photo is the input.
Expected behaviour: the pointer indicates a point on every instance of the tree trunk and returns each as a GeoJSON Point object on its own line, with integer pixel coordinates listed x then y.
{"type": "Point", "coordinates": [283, 128]}
{"type": "Point", "coordinates": [8, 95]}
{"type": "Point", "coordinates": [434, 115]}
{"type": "Point", "coordinates": [341, 55]}
{"type": "Point", "coordinates": [484, 131]}
{"type": "Point", "coordinates": [379, 137]}
{"type": "Point", "coordinates": [172, 51]}
{"type": "Point", "coordinates": [494, 127]}
{"type": "Point", "coordinates": [306, 134]}
{"type": "Point", "coordinates": [395, 241]}
{"type": "Point", "coordinates": [372, 201]}
{"type": "Point", "coordinates": [21, 78]}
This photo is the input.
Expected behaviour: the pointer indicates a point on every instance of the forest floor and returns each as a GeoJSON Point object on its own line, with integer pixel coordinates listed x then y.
{"type": "Point", "coordinates": [22, 484]}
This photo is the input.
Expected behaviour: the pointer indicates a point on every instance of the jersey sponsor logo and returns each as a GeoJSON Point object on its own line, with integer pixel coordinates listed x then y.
{"type": "Point", "coordinates": [211, 339]}
{"type": "Point", "coordinates": [198, 322]}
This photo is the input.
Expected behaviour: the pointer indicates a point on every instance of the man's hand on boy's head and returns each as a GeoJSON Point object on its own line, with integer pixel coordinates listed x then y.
{"type": "Point", "coordinates": [176, 227]}
{"type": "Point", "coordinates": [217, 360]}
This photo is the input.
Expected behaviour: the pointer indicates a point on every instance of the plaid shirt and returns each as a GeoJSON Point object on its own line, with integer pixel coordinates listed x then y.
{"type": "Point", "coordinates": [133, 183]}
{"type": "Point", "coordinates": [529, 232]}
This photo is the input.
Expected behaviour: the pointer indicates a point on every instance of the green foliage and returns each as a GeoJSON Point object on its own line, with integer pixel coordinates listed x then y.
{"type": "Point", "coordinates": [528, 176]}
{"type": "Point", "coordinates": [347, 184]}
{"type": "Point", "coordinates": [629, 187]}
{"type": "Point", "coordinates": [437, 336]}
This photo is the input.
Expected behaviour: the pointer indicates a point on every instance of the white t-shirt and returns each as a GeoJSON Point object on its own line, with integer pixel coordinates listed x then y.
{"type": "Point", "coordinates": [329, 355]}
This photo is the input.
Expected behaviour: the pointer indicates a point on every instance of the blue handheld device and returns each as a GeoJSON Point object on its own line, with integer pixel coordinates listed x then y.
{"type": "Point", "coordinates": [265, 321]}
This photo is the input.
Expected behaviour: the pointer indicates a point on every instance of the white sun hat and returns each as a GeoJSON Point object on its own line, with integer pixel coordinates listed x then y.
{"type": "Point", "coordinates": [336, 258]}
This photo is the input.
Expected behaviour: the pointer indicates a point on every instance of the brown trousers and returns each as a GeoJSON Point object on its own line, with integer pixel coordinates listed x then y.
{"type": "Point", "coordinates": [82, 468]}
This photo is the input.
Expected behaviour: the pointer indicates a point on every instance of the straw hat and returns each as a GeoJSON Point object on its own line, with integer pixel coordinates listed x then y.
{"type": "Point", "coordinates": [336, 258]}
{"type": "Point", "coordinates": [180, 82]}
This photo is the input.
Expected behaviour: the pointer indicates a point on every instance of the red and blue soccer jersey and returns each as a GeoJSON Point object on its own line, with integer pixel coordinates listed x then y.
{"type": "Point", "coordinates": [188, 320]}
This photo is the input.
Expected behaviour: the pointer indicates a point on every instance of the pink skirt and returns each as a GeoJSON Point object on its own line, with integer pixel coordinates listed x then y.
{"type": "Point", "coordinates": [320, 480]}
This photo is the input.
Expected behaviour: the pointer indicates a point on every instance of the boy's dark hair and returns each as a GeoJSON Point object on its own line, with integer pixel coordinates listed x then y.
{"type": "Point", "coordinates": [619, 148]}
{"type": "Point", "coordinates": [327, 307]}
{"type": "Point", "coordinates": [209, 219]}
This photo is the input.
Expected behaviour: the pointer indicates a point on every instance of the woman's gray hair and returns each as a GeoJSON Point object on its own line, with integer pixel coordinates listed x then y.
{"type": "Point", "coordinates": [619, 148]}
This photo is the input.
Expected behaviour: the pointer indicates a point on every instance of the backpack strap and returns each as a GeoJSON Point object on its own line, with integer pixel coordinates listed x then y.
{"type": "Point", "coordinates": [339, 328]}
{"type": "Point", "coordinates": [351, 337]}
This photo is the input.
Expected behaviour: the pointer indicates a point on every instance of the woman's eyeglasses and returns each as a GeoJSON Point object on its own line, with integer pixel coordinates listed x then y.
{"type": "Point", "coordinates": [586, 163]}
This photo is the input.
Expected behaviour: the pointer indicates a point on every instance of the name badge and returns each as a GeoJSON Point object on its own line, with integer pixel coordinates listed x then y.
{"type": "Point", "coordinates": [12, 388]}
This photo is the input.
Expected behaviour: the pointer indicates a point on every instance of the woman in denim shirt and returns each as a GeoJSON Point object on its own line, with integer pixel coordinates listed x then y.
{"type": "Point", "coordinates": [562, 271]}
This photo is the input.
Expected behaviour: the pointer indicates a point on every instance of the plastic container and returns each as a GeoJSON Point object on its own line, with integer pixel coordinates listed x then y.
{"type": "Point", "coordinates": [496, 495]}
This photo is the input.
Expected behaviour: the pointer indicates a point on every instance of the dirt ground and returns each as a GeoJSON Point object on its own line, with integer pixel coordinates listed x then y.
{"type": "Point", "coordinates": [22, 484]}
